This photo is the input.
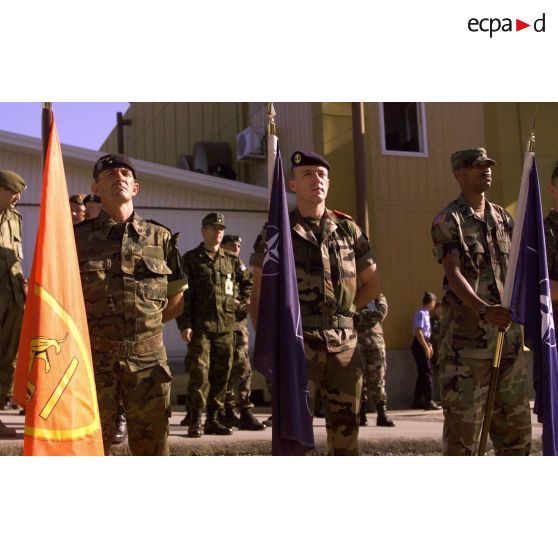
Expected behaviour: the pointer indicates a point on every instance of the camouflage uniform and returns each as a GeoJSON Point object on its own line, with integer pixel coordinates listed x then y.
{"type": "Point", "coordinates": [551, 235]}
{"type": "Point", "coordinates": [372, 348]}
{"type": "Point", "coordinates": [468, 343]}
{"type": "Point", "coordinates": [128, 271]}
{"type": "Point", "coordinates": [209, 310]}
{"type": "Point", "coordinates": [329, 253]}
{"type": "Point", "coordinates": [12, 297]}
{"type": "Point", "coordinates": [239, 384]}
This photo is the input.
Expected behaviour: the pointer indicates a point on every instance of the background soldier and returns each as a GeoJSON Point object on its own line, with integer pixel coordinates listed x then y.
{"type": "Point", "coordinates": [472, 240]}
{"type": "Point", "coordinates": [132, 282]}
{"type": "Point", "coordinates": [12, 285]}
{"type": "Point", "coordinates": [207, 324]}
{"type": "Point", "coordinates": [93, 206]}
{"type": "Point", "coordinates": [372, 348]}
{"type": "Point", "coordinates": [77, 208]}
{"type": "Point", "coordinates": [238, 386]}
{"type": "Point", "coordinates": [331, 254]}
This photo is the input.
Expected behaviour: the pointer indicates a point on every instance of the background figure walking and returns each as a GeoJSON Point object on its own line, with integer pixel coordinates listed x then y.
{"type": "Point", "coordinates": [422, 352]}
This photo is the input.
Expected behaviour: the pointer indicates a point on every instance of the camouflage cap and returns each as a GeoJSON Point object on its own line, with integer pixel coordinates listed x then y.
{"type": "Point", "coordinates": [91, 198]}
{"type": "Point", "coordinates": [214, 219]}
{"type": "Point", "coordinates": [308, 158]}
{"type": "Point", "coordinates": [231, 238]}
{"type": "Point", "coordinates": [112, 161]}
{"type": "Point", "coordinates": [10, 180]}
{"type": "Point", "coordinates": [469, 157]}
{"type": "Point", "coordinates": [77, 198]}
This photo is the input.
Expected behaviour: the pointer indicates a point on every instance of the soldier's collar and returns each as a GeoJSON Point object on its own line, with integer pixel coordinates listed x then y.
{"type": "Point", "coordinates": [105, 223]}
{"type": "Point", "coordinates": [466, 208]}
{"type": "Point", "coordinates": [553, 215]}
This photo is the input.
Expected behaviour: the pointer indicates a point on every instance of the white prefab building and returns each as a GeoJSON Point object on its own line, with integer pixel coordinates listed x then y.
{"type": "Point", "coordinates": [176, 198]}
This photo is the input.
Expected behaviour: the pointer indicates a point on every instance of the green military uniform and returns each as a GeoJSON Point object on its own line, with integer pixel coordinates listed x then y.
{"type": "Point", "coordinates": [128, 271]}
{"type": "Point", "coordinates": [372, 348]}
{"type": "Point", "coordinates": [239, 384]}
{"type": "Point", "coordinates": [12, 294]}
{"type": "Point", "coordinates": [329, 253]}
{"type": "Point", "coordinates": [468, 343]}
{"type": "Point", "coordinates": [209, 310]}
{"type": "Point", "coordinates": [551, 236]}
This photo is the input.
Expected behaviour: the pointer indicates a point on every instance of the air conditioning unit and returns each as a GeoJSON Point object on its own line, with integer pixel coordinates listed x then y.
{"type": "Point", "coordinates": [249, 145]}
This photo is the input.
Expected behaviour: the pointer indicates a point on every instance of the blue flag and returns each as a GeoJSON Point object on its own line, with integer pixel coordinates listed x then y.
{"type": "Point", "coordinates": [279, 346]}
{"type": "Point", "coordinates": [531, 306]}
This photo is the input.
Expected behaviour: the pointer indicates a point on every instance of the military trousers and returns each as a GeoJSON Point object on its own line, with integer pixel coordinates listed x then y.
{"type": "Point", "coordinates": [337, 377]}
{"type": "Point", "coordinates": [374, 375]}
{"type": "Point", "coordinates": [147, 404]}
{"type": "Point", "coordinates": [464, 387]}
{"type": "Point", "coordinates": [208, 362]}
{"type": "Point", "coordinates": [423, 386]}
{"type": "Point", "coordinates": [240, 378]}
{"type": "Point", "coordinates": [11, 317]}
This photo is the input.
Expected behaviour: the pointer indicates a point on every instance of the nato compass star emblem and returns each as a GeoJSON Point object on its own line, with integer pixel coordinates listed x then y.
{"type": "Point", "coordinates": [271, 255]}
{"type": "Point", "coordinates": [548, 335]}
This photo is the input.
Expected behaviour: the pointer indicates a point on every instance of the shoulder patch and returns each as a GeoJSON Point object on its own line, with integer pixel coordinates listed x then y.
{"type": "Point", "coordinates": [440, 218]}
{"type": "Point", "coordinates": [342, 215]}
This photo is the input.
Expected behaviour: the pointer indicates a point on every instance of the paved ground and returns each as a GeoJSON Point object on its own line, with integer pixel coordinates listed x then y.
{"type": "Point", "coordinates": [415, 433]}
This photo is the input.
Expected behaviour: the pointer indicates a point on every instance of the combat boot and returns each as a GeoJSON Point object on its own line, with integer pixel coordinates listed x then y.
{"type": "Point", "coordinates": [363, 418]}
{"type": "Point", "coordinates": [194, 424]}
{"type": "Point", "coordinates": [431, 406]}
{"type": "Point", "coordinates": [213, 426]}
{"type": "Point", "coordinates": [382, 419]}
{"type": "Point", "coordinates": [248, 421]}
{"type": "Point", "coordinates": [6, 431]}
{"type": "Point", "coordinates": [120, 429]}
{"type": "Point", "coordinates": [229, 418]}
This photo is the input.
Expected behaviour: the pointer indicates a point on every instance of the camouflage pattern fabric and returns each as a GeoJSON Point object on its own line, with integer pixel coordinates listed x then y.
{"type": "Point", "coordinates": [128, 271]}
{"type": "Point", "coordinates": [220, 285]}
{"type": "Point", "coordinates": [240, 379]}
{"type": "Point", "coordinates": [329, 253]}
{"type": "Point", "coordinates": [551, 236]}
{"type": "Point", "coordinates": [464, 386]}
{"type": "Point", "coordinates": [146, 396]}
{"type": "Point", "coordinates": [483, 249]}
{"type": "Point", "coordinates": [12, 296]}
{"type": "Point", "coordinates": [372, 348]}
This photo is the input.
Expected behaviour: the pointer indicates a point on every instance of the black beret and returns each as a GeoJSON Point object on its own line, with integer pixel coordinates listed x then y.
{"type": "Point", "coordinates": [231, 238]}
{"type": "Point", "coordinates": [112, 161]}
{"type": "Point", "coordinates": [91, 198]}
{"type": "Point", "coordinates": [308, 158]}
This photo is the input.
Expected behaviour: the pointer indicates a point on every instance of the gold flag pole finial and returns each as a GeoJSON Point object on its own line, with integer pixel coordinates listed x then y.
{"type": "Point", "coordinates": [271, 120]}
{"type": "Point", "coordinates": [531, 142]}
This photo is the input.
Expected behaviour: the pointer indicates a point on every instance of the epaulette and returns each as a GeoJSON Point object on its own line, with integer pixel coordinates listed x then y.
{"type": "Point", "coordinates": [158, 224]}
{"type": "Point", "coordinates": [14, 210]}
{"type": "Point", "coordinates": [342, 215]}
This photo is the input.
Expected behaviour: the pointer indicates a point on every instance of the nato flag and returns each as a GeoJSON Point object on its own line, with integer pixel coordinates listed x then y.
{"type": "Point", "coordinates": [279, 346]}
{"type": "Point", "coordinates": [531, 305]}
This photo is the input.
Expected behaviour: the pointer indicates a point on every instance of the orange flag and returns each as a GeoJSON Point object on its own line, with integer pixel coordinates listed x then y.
{"type": "Point", "coordinates": [54, 374]}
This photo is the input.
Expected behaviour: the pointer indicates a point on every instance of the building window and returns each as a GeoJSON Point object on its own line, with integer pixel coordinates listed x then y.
{"type": "Point", "coordinates": [403, 129]}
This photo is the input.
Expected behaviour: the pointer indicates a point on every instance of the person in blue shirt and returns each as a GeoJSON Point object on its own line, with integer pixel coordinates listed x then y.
{"type": "Point", "coordinates": [422, 352]}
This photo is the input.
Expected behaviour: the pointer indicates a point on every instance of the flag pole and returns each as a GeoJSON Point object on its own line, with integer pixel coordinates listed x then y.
{"type": "Point", "coordinates": [272, 141]}
{"type": "Point", "coordinates": [508, 289]}
{"type": "Point", "coordinates": [46, 122]}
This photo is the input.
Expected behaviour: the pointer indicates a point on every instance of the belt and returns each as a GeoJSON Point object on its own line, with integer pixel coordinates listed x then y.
{"type": "Point", "coordinates": [127, 348]}
{"type": "Point", "coordinates": [326, 321]}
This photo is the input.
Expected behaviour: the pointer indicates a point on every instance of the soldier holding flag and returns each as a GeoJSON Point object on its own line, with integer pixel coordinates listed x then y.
{"type": "Point", "coordinates": [336, 275]}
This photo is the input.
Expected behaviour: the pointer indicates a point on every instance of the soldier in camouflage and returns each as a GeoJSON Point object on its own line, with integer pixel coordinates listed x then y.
{"type": "Point", "coordinates": [336, 275]}
{"type": "Point", "coordinates": [372, 348]}
{"type": "Point", "coordinates": [239, 384]}
{"type": "Point", "coordinates": [132, 282]}
{"type": "Point", "coordinates": [218, 288]}
{"type": "Point", "coordinates": [472, 240]}
{"type": "Point", "coordinates": [12, 285]}
{"type": "Point", "coordinates": [551, 235]}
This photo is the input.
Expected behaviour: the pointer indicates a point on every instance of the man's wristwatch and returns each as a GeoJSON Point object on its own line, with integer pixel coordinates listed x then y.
{"type": "Point", "coordinates": [482, 312]}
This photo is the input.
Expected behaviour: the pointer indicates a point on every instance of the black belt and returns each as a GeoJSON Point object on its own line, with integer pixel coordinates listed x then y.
{"type": "Point", "coordinates": [127, 348]}
{"type": "Point", "coordinates": [326, 321]}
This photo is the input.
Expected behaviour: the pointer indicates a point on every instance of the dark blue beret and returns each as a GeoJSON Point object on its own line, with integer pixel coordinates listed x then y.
{"type": "Point", "coordinates": [308, 158]}
{"type": "Point", "coordinates": [112, 161]}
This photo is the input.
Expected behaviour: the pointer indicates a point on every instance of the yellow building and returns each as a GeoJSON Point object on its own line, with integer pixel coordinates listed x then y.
{"type": "Point", "coordinates": [409, 179]}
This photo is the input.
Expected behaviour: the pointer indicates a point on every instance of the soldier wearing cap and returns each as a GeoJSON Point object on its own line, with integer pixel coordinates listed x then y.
{"type": "Point", "coordinates": [77, 207]}
{"type": "Point", "coordinates": [93, 206]}
{"type": "Point", "coordinates": [218, 288]}
{"type": "Point", "coordinates": [132, 282]}
{"type": "Point", "coordinates": [472, 240]}
{"type": "Point", "coordinates": [12, 284]}
{"type": "Point", "coordinates": [239, 384]}
{"type": "Point", "coordinates": [336, 275]}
